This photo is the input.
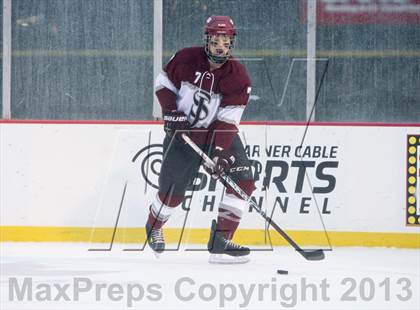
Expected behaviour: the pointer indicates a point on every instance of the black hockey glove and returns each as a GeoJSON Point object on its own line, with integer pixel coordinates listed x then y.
{"type": "Point", "coordinates": [223, 160]}
{"type": "Point", "coordinates": [174, 121]}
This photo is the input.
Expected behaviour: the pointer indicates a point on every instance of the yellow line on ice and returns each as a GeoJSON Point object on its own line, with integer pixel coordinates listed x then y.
{"type": "Point", "coordinates": [200, 236]}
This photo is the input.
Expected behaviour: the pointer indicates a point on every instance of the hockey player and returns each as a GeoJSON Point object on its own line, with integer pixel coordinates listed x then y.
{"type": "Point", "coordinates": [204, 91]}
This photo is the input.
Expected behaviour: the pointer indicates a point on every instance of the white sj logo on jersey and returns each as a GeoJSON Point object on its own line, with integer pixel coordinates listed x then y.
{"type": "Point", "coordinates": [198, 104]}
{"type": "Point", "coordinates": [204, 104]}
{"type": "Point", "coordinates": [200, 109]}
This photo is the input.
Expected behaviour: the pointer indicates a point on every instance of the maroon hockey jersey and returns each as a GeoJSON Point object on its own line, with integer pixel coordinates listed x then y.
{"type": "Point", "coordinates": [212, 100]}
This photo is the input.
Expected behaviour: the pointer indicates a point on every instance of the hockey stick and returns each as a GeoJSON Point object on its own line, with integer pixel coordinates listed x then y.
{"type": "Point", "coordinates": [317, 254]}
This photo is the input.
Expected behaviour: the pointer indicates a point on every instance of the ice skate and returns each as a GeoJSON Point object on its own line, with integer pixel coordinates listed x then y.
{"type": "Point", "coordinates": [223, 251]}
{"type": "Point", "coordinates": [155, 239]}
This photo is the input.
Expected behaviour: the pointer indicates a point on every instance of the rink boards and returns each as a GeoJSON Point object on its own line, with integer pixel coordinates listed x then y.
{"type": "Point", "coordinates": [94, 182]}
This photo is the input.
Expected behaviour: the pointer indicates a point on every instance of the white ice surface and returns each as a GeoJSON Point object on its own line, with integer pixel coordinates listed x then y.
{"type": "Point", "coordinates": [117, 278]}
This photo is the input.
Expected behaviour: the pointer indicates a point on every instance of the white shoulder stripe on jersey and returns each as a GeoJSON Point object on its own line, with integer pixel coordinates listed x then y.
{"type": "Point", "coordinates": [163, 81]}
{"type": "Point", "coordinates": [231, 114]}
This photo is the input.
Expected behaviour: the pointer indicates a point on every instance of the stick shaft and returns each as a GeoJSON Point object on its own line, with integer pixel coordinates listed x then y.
{"type": "Point", "coordinates": [244, 196]}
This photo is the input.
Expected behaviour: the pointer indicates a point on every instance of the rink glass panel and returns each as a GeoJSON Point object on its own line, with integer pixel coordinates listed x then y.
{"type": "Point", "coordinates": [77, 59]}
{"type": "Point", "coordinates": [269, 36]}
{"type": "Point", "coordinates": [373, 74]}
{"type": "Point", "coordinates": [1, 62]}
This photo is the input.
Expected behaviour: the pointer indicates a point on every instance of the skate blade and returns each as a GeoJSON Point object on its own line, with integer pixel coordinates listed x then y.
{"type": "Point", "coordinates": [157, 255]}
{"type": "Point", "coordinates": [227, 259]}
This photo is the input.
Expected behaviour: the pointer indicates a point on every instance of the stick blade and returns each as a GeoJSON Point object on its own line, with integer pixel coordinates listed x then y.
{"type": "Point", "coordinates": [312, 254]}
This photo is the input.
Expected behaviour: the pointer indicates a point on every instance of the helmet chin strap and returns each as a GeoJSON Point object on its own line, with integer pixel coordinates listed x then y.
{"type": "Point", "coordinates": [217, 59]}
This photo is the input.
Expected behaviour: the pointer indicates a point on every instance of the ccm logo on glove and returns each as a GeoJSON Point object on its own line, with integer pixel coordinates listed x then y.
{"type": "Point", "coordinates": [223, 160]}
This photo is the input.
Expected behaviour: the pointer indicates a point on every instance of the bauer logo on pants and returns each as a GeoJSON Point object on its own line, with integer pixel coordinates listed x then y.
{"type": "Point", "coordinates": [413, 178]}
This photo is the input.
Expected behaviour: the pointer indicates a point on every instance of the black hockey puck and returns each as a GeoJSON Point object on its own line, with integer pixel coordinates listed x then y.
{"type": "Point", "coordinates": [280, 271]}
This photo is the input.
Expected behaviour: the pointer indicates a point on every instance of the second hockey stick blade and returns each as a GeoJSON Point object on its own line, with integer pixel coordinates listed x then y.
{"type": "Point", "coordinates": [317, 254]}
